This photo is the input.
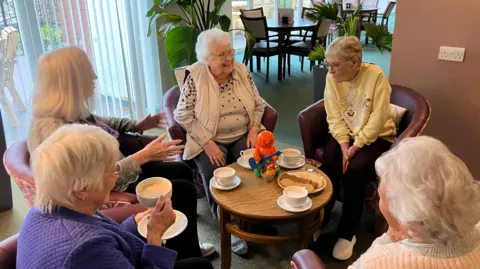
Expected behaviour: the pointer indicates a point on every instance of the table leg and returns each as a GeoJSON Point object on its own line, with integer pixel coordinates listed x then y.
{"type": "Point", "coordinates": [304, 229]}
{"type": "Point", "coordinates": [281, 36]}
{"type": "Point", "coordinates": [225, 241]}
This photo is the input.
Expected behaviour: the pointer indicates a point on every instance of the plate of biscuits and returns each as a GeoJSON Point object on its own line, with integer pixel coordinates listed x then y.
{"type": "Point", "coordinates": [313, 182]}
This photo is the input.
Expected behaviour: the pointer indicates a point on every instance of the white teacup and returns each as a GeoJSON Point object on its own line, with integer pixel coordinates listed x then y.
{"type": "Point", "coordinates": [248, 153]}
{"type": "Point", "coordinates": [224, 176]}
{"type": "Point", "coordinates": [151, 189]}
{"type": "Point", "coordinates": [291, 156]}
{"type": "Point", "coordinates": [295, 196]}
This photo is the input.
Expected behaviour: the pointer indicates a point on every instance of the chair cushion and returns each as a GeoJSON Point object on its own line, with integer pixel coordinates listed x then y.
{"type": "Point", "coordinates": [397, 112]}
{"type": "Point", "coordinates": [262, 45]}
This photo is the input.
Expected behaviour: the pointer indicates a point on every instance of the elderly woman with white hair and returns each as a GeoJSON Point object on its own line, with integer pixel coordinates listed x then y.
{"type": "Point", "coordinates": [431, 203]}
{"type": "Point", "coordinates": [219, 107]}
{"type": "Point", "coordinates": [75, 169]}
{"type": "Point", "coordinates": [357, 102]}
{"type": "Point", "coordinates": [64, 87]}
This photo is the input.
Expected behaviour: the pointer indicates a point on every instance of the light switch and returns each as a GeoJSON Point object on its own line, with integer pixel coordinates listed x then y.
{"type": "Point", "coordinates": [451, 54]}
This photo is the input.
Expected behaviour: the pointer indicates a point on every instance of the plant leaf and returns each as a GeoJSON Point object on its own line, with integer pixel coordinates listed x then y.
{"type": "Point", "coordinates": [224, 22]}
{"type": "Point", "coordinates": [250, 39]}
{"type": "Point", "coordinates": [217, 5]}
{"type": "Point", "coordinates": [151, 11]}
{"type": "Point", "coordinates": [170, 22]}
{"type": "Point", "coordinates": [323, 11]}
{"type": "Point", "coordinates": [317, 54]}
{"type": "Point", "coordinates": [380, 36]}
{"type": "Point", "coordinates": [180, 46]}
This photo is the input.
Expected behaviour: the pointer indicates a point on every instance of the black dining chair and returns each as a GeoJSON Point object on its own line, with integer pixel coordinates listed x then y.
{"type": "Point", "coordinates": [264, 46]}
{"type": "Point", "coordinates": [300, 35]}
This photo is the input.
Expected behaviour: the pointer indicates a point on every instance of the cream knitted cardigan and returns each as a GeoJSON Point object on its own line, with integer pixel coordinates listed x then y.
{"type": "Point", "coordinates": [405, 254]}
{"type": "Point", "coordinates": [200, 120]}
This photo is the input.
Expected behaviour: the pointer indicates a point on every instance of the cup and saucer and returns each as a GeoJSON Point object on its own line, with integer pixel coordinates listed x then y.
{"type": "Point", "coordinates": [224, 179]}
{"type": "Point", "coordinates": [291, 159]}
{"type": "Point", "coordinates": [148, 192]}
{"type": "Point", "coordinates": [295, 199]}
{"type": "Point", "coordinates": [245, 155]}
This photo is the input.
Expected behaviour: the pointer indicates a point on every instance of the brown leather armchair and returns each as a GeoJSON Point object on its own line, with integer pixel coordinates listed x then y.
{"type": "Point", "coordinates": [16, 161]}
{"type": "Point", "coordinates": [8, 247]}
{"type": "Point", "coordinates": [314, 131]}
{"type": "Point", "coordinates": [306, 259]}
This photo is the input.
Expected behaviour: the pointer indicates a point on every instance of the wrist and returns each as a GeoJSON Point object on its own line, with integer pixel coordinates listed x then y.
{"type": "Point", "coordinates": [154, 238]}
{"type": "Point", "coordinates": [142, 157]}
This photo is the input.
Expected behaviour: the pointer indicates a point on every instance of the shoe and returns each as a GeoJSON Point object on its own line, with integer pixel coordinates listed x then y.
{"type": "Point", "coordinates": [343, 248]}
{"type": "Point", "coordinates": [207, 249]}
{"type": "Point", "coordinates": [239, 246]}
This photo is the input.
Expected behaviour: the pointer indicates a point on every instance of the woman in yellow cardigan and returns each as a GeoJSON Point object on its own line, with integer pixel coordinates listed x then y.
{"type": "Point", "coordinates": [357, 101]}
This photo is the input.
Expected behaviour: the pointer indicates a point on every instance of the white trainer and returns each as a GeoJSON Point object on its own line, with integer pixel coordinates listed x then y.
{"type": "Point", "coordinates": [239, 246]}
{"type": "Point", "coordinates": [343, 249]}
{"type": "Point", "coordinates": [207, 249]}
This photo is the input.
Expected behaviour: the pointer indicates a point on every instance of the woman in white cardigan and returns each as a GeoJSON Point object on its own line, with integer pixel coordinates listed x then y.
{"type": "Point", "coordinates": [219, 107]}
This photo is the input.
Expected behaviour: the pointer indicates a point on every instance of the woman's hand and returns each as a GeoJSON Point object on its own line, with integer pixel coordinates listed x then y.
{"type": "Point", "coordinates": [139, 216]}
{"type": "Point", "coordinates": [150, 122]}
{"type": "Point", "coordinates": [157, 150]}
{"type": "Point", "coordinates": [161, 218]}
{"type": "Point", "coordinates": [345, 159]}
{"type": "Point", "coordinates": [214, 153]}
{"type": "Point", "coordinates": [252, 137]}
{"type": "Point", "coordinates": [352, 151]}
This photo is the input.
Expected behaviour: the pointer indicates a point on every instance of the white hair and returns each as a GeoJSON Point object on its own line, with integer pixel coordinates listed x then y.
{"type": "Point", "coordinates": [72, 159]}
{"type": "Point", "coordinates": [430, 191]}
{"type": "Point", "coordinates": [64, 84]}
{"type": "Point", "coordinates": [206, 39]}
{"type": "Point", "coordinates": [348, 47]}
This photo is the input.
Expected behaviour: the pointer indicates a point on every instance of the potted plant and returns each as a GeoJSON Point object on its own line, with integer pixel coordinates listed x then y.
{"type": "Point", "coordinates": [381, 38]}
{"type": "Point", "coordinates": [180, 31]}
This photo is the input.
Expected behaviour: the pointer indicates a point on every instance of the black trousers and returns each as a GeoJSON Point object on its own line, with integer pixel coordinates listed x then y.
{"type": "Point", "coordinates": [184, 199]}
{"type": "Point", "coordinates": [360, 171]}
{"type": "Point", "coordinates": [193, 263]}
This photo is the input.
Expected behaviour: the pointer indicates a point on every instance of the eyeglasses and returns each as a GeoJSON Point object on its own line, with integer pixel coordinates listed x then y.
{"type": "Point", "coordinates": [224, 56]}
{"type": "Point", "coordinates": [118, 171]}
{"type": "Point", "coordinates": [332, 66]}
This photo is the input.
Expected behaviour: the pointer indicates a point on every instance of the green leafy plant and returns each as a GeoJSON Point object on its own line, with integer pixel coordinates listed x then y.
{"type": "Point", "coordinates": [180, 31]}
{"type": "Point", "coordinates": [381, 38]}
{"type": "Point", "coordinates": [52, 36]}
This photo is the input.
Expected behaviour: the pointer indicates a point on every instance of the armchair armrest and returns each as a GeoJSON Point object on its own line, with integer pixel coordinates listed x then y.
{"type": "Point", "coordinates": [119, 214]}
{"type": "Point", "coordinates": [307, 259]}
{"type": "Point", "coordinates": [8, 252]}
{"type": "Point", "coordinates": [313, 128]}
{"type": "Point", "coordinates": [270, 117]}
{"type": "Point", "coordinates": [123, 197]}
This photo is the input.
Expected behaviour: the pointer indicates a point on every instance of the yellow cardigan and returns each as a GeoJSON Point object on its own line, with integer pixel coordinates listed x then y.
{"type": "Point", "coordinates": [359, 109]}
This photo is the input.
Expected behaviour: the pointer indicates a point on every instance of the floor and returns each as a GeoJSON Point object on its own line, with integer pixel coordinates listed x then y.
{"type": "Point", "coordinates": [288, 98]}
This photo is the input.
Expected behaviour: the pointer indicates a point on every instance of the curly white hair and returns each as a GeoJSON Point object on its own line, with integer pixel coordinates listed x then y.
{"type": "Point", "coordinates": [206, 39]}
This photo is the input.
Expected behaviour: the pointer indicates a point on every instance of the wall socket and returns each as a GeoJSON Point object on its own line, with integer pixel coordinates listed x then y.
{"type": "Point", "coordinates": [451, 54]}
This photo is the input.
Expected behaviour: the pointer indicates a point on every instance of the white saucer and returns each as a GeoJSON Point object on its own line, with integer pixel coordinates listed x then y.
{"type": "Point", "coordinates": [283, 205]}
{"type": "Point", "coordinates": [236, 182]}
{"type": "Point", "coordinates": [299, 164]}
{"type": "Point", "coordinates": [243, 162]}
{"type": "Point", "coordinates": [177, 227]}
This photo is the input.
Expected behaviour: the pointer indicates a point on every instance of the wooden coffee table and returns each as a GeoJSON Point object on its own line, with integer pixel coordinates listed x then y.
{"type": "Point", "coordinates": [255, 201]}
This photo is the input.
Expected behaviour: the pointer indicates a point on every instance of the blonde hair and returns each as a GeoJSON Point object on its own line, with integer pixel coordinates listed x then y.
{"type": "Point", "coordinates": [349, 47]}
{"type": "Point", "coordinates": [72, 159]}
{"type": "Point", "coordinates": [429, 190]}
{"type": "Point", "coordinates": [65, 81]}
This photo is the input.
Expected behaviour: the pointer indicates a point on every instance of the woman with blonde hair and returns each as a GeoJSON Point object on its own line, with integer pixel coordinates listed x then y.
{"type": "Point", "coordinates": [357, 101]}
{"type": "Point", "coordinates": [64, 88]}
{"type": "Point", "coordinates": [430, 201]}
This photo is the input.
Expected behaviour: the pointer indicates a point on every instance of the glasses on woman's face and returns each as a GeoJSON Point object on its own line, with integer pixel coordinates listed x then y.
{"type": "Point", "coordinates": [334, 66]}
{"type": "Point", "coordinates": [116, 173]}
{"type": "Point", "coordinates": [224, 56]}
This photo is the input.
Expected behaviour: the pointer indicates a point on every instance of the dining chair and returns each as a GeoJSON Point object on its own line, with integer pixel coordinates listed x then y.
{"type": "Point", "coordinates": [252, 13]}
{"type": "Point", "coordinates": [264, 46]}
{"type": "Point", "coordinates": [304, 47]}
{"type": "Point", "coordinates": [369, 3]}
{"type": "Point", "coordinates": [386, 14]}
{"type": "Point", "coordinates": [298, 36]}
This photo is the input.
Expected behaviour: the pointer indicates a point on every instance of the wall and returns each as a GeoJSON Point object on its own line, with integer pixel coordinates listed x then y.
{"type": "Point", "coordinates": [453, 89]}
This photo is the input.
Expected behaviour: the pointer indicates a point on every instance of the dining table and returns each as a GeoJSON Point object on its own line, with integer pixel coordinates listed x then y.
{"type": "Point", "coordinates": [283, 29]}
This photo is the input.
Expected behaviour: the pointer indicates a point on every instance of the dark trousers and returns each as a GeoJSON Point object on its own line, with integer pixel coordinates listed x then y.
{"type": "Point", "coordinates": [206, 168]}
{"type": "Point", "coordinates": [184, 199]}
{"type": "Point", "coordinates": [193, 263]}
{"type": "Point", "coordinates": [360, 172]}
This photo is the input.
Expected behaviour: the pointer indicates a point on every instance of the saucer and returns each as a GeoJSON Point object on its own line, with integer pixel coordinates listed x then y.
{"type": "Point", "coordinates": [243, 162]}
{"type": "Point", "coordinates": [299, 164]}
{"type": "Point", "coordinates": [282, 204]}
{"type": "Point", "coordinates": [236, 182]}
{"type": "Point", "coordinates": [177, 227]}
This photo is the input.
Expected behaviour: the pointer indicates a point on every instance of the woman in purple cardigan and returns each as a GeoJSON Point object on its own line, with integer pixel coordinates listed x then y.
{"type": "Point", "coordinates": [74, 170]}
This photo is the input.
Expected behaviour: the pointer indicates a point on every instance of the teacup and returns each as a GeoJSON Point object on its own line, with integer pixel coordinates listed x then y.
{"type": "Point", "coordinates": [295, 196]}
{"type": "Point", "coordinates": [291, 156]}
{"type": "Point", "coordinates": [151, 189]}
{"type": "Point", "coordinates": [224, 176]}
{"type": "Point", "coordinates": [247, 154]}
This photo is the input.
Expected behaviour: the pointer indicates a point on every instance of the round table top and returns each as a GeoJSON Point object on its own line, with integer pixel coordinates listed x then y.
{"type": "Point", "coordinates": [298, 23]}
{"type": "Point", "coordinates": [257, 199]}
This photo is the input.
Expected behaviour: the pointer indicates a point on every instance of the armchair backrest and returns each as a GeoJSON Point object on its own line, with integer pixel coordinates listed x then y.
{"type": "Point", "coordinates": [8, 252]}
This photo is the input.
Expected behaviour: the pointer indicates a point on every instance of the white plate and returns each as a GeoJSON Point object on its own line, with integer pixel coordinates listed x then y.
{"type": "Point", "coordinates": [243, 162]}
{"type": "Point", "coordinates": [177, 227]}
{"type": "Point", "coordinates": [236, 182]}
{"type": "Point", "coordinates": [299, 173]}
{"type": "Point", "coordinates": [299, 164]}
{"type": "Point", "coordinates": [283, 205]}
